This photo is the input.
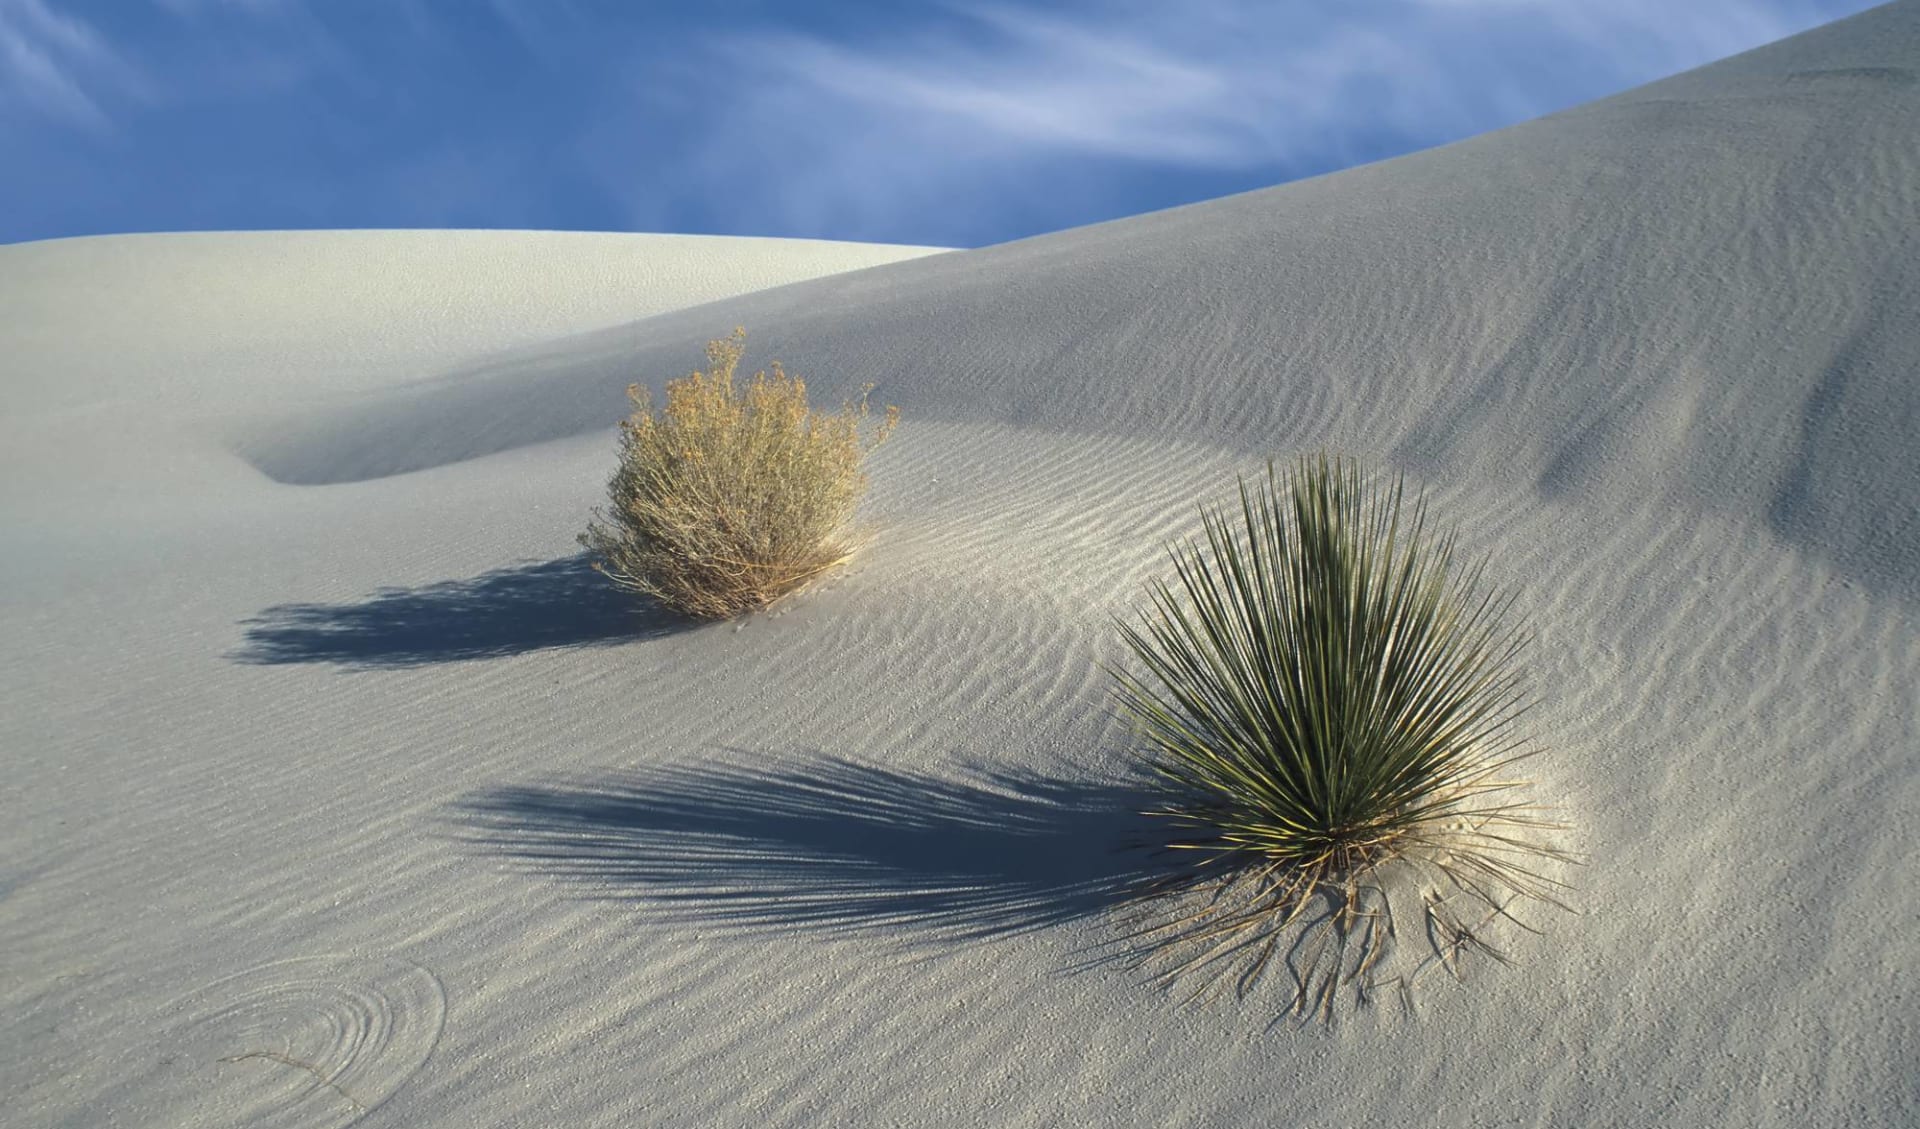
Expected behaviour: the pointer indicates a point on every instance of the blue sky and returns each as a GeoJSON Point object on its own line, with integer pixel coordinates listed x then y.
{"type": "Point", "coordinates": [957, 124]}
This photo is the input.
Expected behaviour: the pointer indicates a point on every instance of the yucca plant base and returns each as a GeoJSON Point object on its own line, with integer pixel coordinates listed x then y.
{"type": "Point", "coordinates": [1329, 709]}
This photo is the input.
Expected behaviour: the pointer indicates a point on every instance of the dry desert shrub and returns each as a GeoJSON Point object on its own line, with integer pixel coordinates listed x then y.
{"type": "Point", "coordinates": [733, 494]}
{"type": "Point", "coordinates": [1331, 709]}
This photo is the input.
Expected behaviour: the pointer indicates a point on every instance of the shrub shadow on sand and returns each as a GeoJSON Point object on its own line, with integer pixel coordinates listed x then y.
{"type": "Point", "coordinates": [507, 611]}
{"type": "Point", "coordinates": [829, 843]}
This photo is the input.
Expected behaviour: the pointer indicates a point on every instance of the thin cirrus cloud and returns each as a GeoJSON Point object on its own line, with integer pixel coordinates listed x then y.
{"type": "Point", "coordinates": [954, 123]}
{"type": "Point", "coordinates": [56, 65]}
{"type": "Point", "coordinates": [1152, 89]}
{"type": "Point", "coordinates": [997, 103]}
{"type": "Point", "coordinates": [1236, 83]}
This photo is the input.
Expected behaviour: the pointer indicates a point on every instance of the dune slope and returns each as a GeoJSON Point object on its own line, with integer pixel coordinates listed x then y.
{"type": "Point", "coordinates": [341, 792]}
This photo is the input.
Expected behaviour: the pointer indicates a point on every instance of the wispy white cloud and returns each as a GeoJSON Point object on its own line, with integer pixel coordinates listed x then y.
{"type": "Point", "coordinates": [972, 102]}
{"type": "Point", "coordinates": [958, 121]}
{"type": "Point", "coordinates": [1653, 35]}
{"type": "Point", "coordinates": [1244, 82]}
{"type": "Point", "coordinates": [1146, 88]}
{"type": "Point", "coordinates": [58, 65]}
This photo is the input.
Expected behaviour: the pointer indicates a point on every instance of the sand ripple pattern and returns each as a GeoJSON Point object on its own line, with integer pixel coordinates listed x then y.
{"type": "Point", "coordinates": [310, 1042]}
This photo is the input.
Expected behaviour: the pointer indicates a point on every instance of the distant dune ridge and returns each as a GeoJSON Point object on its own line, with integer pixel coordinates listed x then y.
{"type": "Point", "coordinates": [337, 790]}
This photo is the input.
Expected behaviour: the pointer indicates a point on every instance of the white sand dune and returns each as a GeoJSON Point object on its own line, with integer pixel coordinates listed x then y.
{"type": "Point", "coordinates": [337, 789]}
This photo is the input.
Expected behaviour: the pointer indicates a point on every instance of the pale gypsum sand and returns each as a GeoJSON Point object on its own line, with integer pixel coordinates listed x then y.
{"type": "Point", "coordinates": [336, 790]}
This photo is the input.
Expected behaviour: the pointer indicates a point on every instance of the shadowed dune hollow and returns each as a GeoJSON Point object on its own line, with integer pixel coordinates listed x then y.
{"type": "Point", "coordinates": [1710, 278]}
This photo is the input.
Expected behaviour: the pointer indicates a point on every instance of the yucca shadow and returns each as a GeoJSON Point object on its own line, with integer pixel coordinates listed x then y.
{"type": "Point", "coordinates": [830, 843]}
{"type": "Point", "coordinates": [507, 611]}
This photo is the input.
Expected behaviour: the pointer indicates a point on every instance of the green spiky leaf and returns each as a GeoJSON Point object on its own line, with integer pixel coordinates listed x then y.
{"type": "Point", "coordinates": [1325, 690]}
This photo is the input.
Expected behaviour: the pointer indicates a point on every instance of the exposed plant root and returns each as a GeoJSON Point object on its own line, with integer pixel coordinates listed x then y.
{"type": "Point", "coordinates": [1334, 930]}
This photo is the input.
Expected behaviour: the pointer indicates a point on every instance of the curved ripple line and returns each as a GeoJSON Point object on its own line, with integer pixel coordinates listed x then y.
{"type": "Point", "coordinates": [311, 1041]}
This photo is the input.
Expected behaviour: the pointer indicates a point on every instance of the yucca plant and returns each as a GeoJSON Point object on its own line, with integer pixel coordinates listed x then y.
{"type": "Point", "coordinates": [732, 495]}
{"type": "Point", "coordinates": [1325, 699]}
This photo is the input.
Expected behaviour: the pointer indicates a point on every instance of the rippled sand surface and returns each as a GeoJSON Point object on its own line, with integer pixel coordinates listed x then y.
{"type": "Point", "coordinates": [339, 791]}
